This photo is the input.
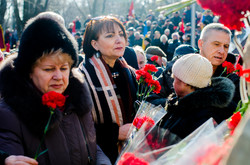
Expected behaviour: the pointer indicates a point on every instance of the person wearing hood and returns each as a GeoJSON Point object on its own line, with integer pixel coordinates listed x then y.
{"type": "Point", "coordinates": [198, 97]}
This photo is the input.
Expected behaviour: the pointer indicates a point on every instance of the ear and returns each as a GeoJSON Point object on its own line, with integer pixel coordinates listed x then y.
{"type": "Point", "coordinates": [200, 43]}
{"type": "Point", "coordinates": [94, 44]}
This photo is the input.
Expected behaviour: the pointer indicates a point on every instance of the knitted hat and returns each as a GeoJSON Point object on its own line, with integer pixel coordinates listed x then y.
{"type": "Point", "coordinates": [193, 69]}
{"type": "Point", "coordinates": [155, 50]}
{"type": "Point", "coordinates": [43, 35]}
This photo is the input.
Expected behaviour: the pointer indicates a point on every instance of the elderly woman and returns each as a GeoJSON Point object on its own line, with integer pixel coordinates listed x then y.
{"type": "Point", "coordinates": [45, 61]}
{"type": "Point", "coordinates": [111, 80]}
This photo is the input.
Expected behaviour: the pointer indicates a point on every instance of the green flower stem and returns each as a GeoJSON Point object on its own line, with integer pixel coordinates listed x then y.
{"type": "Point", "coordinates": [225, 69]}
{"type": "Point", "coordinates": [44, 133]}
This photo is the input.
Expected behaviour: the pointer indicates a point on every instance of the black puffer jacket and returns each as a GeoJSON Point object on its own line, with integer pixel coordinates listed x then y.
{"type": "Point", "coordinates": [186, 114]}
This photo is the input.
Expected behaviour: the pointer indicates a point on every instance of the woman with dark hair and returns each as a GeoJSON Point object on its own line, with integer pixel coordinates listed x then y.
{"type": "Point", "coordinates": [45, 61]}
{"type": "Point", "coordinates": [111, 80]}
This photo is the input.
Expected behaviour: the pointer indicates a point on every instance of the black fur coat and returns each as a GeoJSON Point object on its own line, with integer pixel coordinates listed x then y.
{"type": "Point", "coordinates": [186, 114]}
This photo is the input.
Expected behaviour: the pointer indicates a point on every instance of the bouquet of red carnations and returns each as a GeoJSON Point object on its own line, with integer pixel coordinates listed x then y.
{"type": "Point", "coordinates": [149, 144]}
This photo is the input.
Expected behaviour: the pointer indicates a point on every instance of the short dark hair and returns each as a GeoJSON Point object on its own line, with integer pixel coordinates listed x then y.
{"type": "Point", "coordinates": [94, 29]}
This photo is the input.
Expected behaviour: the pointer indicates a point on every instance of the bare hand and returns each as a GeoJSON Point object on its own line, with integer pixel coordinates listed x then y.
{"type": "Point", "coordinates": [20, 160]}
{"type": "Point", "coordinates": [123, 131]}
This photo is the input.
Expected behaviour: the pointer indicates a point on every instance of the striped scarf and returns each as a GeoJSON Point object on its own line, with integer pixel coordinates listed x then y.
{"type": "Point", "coordinates": [103, 90]}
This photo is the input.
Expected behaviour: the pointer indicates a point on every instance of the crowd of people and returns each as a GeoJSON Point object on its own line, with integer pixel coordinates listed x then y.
{"type": "Point", "coordinates": [94, 67]}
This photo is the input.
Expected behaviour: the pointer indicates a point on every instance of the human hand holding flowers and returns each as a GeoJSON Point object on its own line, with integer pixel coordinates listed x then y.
{"type": "Point", "coordinates": [52, 100]}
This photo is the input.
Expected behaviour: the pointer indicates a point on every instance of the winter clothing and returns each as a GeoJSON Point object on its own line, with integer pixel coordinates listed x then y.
{"type": "Point", "coordinates": [166, 79]}
{"type": "Point", "coordinates": [43, 35]}
{"type": "Point", "coordinates": [172, 45]}
{"type": "Point", "coordinates": [186, 114]}
{"type": "Point", "coordinates": [155, 51]}
{"type": "Point", "coordinates": [71, 135]}
{"type": "Point", "coordinates": [120, 89]}
{"type": "Point", "coordinates": [130, 57]}
{"type": "Point", "coordinates": [194, 70]}
{"type": "Point", "coordinates": [234, 77]}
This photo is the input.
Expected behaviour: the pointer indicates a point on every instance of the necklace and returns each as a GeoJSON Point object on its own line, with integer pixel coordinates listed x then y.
{"type": "Point", "coordinates": [115, 74]}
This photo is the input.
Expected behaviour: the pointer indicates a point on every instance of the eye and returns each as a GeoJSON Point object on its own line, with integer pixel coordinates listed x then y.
{"type": "Point", "coordinates": [48, 69]}
{"type": "Point", "coordinates": [121, 35]}
{"type": "Point", "coordinates": [226, 46]}
{"type": "Point", "coordinates": [64, 68]}
{"type": "Point", "coordinates": [109, 35]}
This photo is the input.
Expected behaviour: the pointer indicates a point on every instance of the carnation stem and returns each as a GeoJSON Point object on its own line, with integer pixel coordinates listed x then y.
{"type": "Point", "coordinates": [44, 133]}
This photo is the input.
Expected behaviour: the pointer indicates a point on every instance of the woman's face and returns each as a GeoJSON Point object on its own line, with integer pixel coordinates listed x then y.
{"type": "Point", "coordinates": [110, 43]}
{"type": "Point", "coordinates": [51, 74]}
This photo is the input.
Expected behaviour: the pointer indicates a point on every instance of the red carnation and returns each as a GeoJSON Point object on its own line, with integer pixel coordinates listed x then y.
{"type": "Point", "coordinates": [235, 119]}
{"type": "Point", "coordinates": [229, 66]}
{"type": "Point", "coordinates": [129, 158]}
{"type": "Point", "coordinates": [53, 99]}
{"type": "Point", "coordinates": [155, 85]}
{"type": "Point", "coordinates": [154, 58]}
{"type": "Point", "coordinates": [238, 70]}
{"type": "Point", "coordinates": [150, 68]}
{"type": "Point", "coordinates": [143, 75]}
{"type": "Point", "coordinates": [139, 121]}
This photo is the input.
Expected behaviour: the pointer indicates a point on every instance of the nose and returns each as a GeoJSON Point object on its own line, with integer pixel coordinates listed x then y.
{"type": "Point", "coordinates": [118, 38]}
{"type": "Point", "coordinates": [222, 50]}
{"type": "Point", "coordinates": [57, 75]}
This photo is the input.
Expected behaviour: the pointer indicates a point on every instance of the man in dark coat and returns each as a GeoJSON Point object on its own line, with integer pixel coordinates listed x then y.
{"type": "Point", "coordinates": [198, 97]}
{"type": "Point", "coordinates": [214, 44]}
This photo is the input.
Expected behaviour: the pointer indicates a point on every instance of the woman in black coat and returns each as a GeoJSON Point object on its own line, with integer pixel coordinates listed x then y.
{"type": "Point", "coordinates": [45, 61]}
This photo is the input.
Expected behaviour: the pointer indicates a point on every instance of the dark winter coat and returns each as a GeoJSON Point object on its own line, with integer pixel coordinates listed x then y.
{"type": "Point", "coordinates": [71, 137]}
{"type": "Point", "coordinates": [172, 45]}
{"type": "Point", "coordinates": [186, 114]}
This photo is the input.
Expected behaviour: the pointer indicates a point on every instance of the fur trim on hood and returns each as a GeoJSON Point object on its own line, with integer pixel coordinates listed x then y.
{"type": "Point", "coordinates": [218, 95]}
{"type": "Point", "coordinates": [25, 100]}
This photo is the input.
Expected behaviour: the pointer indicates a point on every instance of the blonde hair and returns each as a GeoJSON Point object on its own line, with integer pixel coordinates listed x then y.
{"type": "Point", "coordinates": [57, 56]}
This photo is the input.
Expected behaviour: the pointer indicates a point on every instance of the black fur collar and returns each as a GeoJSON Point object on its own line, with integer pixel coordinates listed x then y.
{"type": "Point", "coordinates": [25, 100]}
{"type": "Point", "coordinates": [218, 95]}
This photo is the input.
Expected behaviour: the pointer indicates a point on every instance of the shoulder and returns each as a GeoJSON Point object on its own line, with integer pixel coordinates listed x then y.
{"type": "Point", "coordinates": [8, 119]}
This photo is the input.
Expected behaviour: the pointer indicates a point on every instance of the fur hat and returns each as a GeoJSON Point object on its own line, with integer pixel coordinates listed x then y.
{"type": "Point", "coordinates": [155, 50]}
{"type": "Point", "coordinates": [193, 69]}
{"type": "Point", "coordinates": [43, 34]}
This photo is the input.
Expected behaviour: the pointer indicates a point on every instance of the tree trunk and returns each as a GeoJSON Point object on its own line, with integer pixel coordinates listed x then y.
{"type": "Point", "coordinates": [103, 6]}
{"type": "Point", "coordinates": [19, 22]}
{"type": "Point", "coordinates": [3, 7]}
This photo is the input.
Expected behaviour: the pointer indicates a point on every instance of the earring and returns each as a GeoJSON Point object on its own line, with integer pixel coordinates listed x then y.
{"type": "Point", "coordinates": [97, 54]}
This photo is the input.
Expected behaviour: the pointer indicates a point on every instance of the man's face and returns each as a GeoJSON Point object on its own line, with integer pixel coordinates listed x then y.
{"type": "Point", "coordinates": [215, 47]}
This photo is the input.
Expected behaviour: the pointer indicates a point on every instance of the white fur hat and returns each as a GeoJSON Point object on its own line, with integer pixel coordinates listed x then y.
{"type": "Point", "coordinates": [193, 69]}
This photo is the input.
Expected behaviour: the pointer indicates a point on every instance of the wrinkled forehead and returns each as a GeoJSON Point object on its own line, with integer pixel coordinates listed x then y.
{"type": "Point", "coordinates": [217, 35]}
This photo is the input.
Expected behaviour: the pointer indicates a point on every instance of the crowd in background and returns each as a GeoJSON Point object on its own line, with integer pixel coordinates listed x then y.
{"type": "Point", "coordinates": [166, 32]}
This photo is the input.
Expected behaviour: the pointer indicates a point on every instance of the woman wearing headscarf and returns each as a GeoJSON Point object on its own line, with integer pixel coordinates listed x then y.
{"type": "Point", "coordinates": [111, 80]}
{"type": "Point", "coordinates": [45, 62]}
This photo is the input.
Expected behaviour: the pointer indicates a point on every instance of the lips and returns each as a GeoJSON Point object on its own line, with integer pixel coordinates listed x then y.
{"type": "Point", "coordinates": [219, 58]}
{"type": "Point", "coordinates": [56, 86]}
